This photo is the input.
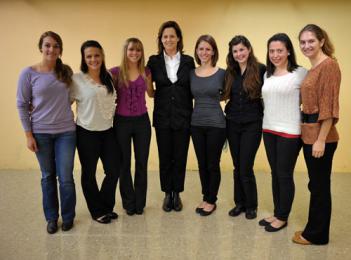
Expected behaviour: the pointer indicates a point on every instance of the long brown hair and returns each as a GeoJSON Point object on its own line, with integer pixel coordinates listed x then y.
{"type": "Point", "coordinates": [123, 77]}
{"type": "Point", "coordinates": [104, 76]}
{"type": "Point", "coordinates": [283, 38]}
{"type": "Point", "coordinates": [63, 72]}
{"type": "Point", "coordinates": [328, 47]}
{"type": "Point", "coordinates": [252, 81]}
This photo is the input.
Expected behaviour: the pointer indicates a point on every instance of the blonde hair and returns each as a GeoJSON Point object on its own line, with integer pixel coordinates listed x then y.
{"type": "Point", "coordinates": [123, 77]}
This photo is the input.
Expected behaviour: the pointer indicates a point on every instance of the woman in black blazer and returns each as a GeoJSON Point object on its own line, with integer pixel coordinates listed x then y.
{"type": "Point", "coordinates": [173, 106]}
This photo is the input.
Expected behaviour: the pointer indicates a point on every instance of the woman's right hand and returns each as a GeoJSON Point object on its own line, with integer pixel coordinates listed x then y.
{"type": "Point", "coordinates": [31, 143]}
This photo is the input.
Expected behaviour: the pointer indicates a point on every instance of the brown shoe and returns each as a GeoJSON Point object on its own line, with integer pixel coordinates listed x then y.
{"type": "Point", "coordinates": [298, 239]}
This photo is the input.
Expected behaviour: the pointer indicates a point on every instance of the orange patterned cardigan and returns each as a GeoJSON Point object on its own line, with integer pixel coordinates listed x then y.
{"type": "Point", "coordinates": [320, 94]}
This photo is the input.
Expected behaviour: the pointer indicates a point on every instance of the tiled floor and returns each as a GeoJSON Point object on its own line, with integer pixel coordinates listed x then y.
{"type": "Point", "coordinates": [160, 235]}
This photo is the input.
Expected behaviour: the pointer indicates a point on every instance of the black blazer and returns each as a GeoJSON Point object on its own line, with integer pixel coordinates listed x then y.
{"type": "Point", "coordinates": [173, 101]}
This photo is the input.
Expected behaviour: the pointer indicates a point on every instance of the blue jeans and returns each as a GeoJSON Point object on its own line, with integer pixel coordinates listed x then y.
{"type": "Point", "coordinates": [56, 158]}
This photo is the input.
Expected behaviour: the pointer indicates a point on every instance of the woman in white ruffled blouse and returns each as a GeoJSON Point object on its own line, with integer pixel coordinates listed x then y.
{"type": "Point", "coordinates": [95, 97]}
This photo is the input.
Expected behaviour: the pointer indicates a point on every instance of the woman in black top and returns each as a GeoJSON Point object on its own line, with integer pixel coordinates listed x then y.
{"type": "Point", "coordinates": [170, 70]}
{"type": "Point", "coordinates": [244, 111]}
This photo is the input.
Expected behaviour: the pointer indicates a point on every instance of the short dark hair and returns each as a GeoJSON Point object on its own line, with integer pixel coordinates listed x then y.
{"type": "Point", "coordinates": [211, 41]}
{"type": "Point", "coordinates": [176, 27]}
{"type": "Point", "coordinates": [292, 64]}
{"type": "Point", "coordinates": [105, 76]}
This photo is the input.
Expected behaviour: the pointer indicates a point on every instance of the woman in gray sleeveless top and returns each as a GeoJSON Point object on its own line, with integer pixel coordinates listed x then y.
{"type": "Point", "coordinates": [208, 122]}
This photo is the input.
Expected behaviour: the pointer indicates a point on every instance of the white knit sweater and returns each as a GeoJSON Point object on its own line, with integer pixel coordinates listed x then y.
{"type": "Point", "coordinates": [281, 98]}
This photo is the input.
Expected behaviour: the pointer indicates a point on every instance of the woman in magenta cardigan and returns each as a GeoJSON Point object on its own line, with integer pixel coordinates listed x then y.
{"type": "Point", "coordinates": [132, 123]}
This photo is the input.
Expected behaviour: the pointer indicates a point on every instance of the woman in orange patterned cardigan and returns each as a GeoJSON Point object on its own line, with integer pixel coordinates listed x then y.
{"type": "Point", "coordinates": [320, 101]}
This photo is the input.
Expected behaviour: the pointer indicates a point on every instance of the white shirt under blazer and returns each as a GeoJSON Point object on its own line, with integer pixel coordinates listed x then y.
{"type": "Point", "coordinates": [95, 106]}
{"type": "Point", "coordinates": [172, 66]}
{"type": "Point", "coordinates": [281, 99]}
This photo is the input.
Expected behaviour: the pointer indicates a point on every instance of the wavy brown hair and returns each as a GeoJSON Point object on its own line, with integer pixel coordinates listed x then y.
{"type": "Point", "coordinates": [252, 81]}
{"type": "Point", "coordinates": [63, 72]}
{"type": "Point", "coordinates": [328, 47]}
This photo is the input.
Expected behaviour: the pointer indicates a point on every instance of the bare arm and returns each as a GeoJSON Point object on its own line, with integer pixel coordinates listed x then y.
{"type": "Point", "coordinates": [319, 146]}
{"type": "Point", "coordinates": [150, 87]}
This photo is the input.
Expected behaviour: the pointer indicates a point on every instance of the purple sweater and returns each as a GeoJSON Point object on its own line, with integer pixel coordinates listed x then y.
{"type": "Point", "coordinates": [131, 100]}
{"type": "Point", "coordinates": [52, 111]}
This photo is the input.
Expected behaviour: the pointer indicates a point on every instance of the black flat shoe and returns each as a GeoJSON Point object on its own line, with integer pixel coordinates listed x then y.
{"type": "Point", "coordinates": [112, 215]}
{"type": "Point", "coordinates": [167, 202]}
{"type": "Point", "coordinates": [251, 214]}
{"type": "Point", "coordinates": [263, 222]}
{"type": "Point", "coordinates": [236, 211]}
{"type": "Point", "coordinates": [67, 225]}
{"type": "Point", "coordinates": [105, 219]}
{"type": "Point", "coordinates": [207, 213]}
{"type": "Point", "coordinates": [177, 202]}
{"type": "Point", "coordinates": [198, 210]}
{"type": "Point", "coordinates": [269, 228]}
{"type": "Point", "coordinates": [51, 227]}
{"type": "Point", "coordinates": [130, 212]}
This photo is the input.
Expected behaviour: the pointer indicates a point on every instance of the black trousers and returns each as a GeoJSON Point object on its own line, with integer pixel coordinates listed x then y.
{"type": "Point", "coordinates": [138, 130]}
{"type": "Point", "coordinates": [91, 146]}
{"type": "Point", "coordinates": [173, 147]}
{"type": "Point", "coordinates": [244, 140]}
{"type": "Point", "coordinates": [208, 143]}
{"type": "Point", "coordinates": [282, 154]}
{"type": "Point", "coordinates": [319, 173]}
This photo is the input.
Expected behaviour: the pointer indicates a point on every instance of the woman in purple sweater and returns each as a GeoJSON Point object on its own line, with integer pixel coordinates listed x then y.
{"type": "Point", "coordinates": [45, 112]}
{"type": "Point", "coordinates": [132, 122]}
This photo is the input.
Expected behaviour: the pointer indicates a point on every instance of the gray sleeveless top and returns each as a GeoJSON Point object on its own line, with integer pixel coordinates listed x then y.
{"type": "Point", "coordinates": [207, 94]}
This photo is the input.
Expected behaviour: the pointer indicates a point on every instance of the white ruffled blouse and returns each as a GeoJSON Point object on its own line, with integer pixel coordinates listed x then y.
{"type": "Point", "coordinates": [95, 106]}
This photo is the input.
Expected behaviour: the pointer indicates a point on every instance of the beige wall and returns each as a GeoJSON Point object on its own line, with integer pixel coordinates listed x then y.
{"type": "Point", "coordinates": [111, 22]}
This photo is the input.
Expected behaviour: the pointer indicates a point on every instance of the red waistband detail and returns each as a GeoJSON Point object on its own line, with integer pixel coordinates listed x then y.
{"type": "Point", "coordinates": [281, 134]}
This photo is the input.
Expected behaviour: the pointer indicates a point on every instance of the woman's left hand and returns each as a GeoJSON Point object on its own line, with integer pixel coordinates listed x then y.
{"type": "Point", "coordinates": [318, 149]}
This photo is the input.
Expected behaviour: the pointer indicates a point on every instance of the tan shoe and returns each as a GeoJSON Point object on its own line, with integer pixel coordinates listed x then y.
{"type": "Point", "coordinates": [298, 239]}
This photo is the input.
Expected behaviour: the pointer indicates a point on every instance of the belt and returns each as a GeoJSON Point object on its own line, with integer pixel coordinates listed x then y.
{"type": "Point", "coordinates": [310, 118]}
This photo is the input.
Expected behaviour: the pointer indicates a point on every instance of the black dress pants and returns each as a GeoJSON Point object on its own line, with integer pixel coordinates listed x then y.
{"type": "Point", "coordinates": [319, 173]}
{"type": "Point", "coordinates": [173, 147]}
{"type": "Point", "coordinates": [91, 146]}
{"type": "Point", "coordinates": [244, 140]}
{"type": "Point", "coordinates": [138, 130]}
{"type": "Point", "coordinates": [208, 143]}
{"type": "Point", "coordinates": [282, 154]}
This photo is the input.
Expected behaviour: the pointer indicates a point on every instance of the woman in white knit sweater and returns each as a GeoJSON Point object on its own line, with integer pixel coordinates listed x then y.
{"type": "Point", "coordinates": [281, 125]}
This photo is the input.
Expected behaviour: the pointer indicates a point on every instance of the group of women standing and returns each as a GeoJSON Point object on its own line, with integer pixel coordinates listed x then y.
{"type": "Point", "coordinates": [112, 114]}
